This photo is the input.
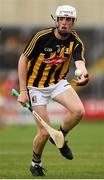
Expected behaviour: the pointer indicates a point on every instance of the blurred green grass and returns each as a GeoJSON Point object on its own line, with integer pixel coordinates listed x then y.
{"type": "Point", "coordinates": [86, 140]}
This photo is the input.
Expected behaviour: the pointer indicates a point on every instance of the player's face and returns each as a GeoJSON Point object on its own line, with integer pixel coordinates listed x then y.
{"type": "Point", "coordinates": [64, 25]}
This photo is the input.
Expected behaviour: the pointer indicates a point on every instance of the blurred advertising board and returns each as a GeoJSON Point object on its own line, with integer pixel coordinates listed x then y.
{"type": "Point", "coordinates": [13, 113]}
{"type": "Point", "coordinates": [94, 109]}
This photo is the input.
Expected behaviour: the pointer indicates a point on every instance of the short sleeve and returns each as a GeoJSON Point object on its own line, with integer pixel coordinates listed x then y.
{"type": "Point", "coordinates": [78, 53]}
{"type": "Point", "coordinates": [32, 48]}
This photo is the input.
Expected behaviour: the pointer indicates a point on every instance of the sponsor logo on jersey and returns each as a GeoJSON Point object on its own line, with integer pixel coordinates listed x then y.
{"type": "Point", "coordinates": [55, 60]}
{"type": "Point", "coordinates": [48, 49]}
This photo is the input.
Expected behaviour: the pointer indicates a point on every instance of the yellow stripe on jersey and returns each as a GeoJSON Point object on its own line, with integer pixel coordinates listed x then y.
{"type": "Point", "coordinates": [76, 46]}
{"type": "Point", "coordinates": [35, 69]}
{"type": "Point", "coordinates": [44, 75]}
{"type": "Point", "coordinates": [71, 47]}
{"type": "Point", "coordinates": [62, 52]}
{"type": "Point", "coordinates": [28, 65]}
{"type": "Point", "coordinates": [34, 40]}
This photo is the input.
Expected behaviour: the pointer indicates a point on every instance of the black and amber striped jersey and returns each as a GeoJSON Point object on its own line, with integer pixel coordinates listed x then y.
{"type": "Point", "coordinates": [49, 57]}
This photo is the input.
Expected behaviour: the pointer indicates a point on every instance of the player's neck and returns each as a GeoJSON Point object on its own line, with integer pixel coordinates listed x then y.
{"type": "Point", "coordinates": [58, 36]}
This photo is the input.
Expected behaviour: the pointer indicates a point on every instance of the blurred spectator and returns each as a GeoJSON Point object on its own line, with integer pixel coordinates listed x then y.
{"type": "Point", "coordinates": [10, 55]}
{"type": "Point", "coordinates": [12, 44]}
{"type": "Point", "coordinates": [2, 111]}
{"type": "Point", "coordinates": [10, 82]}
{"type": "Point", "coordinates": [6, 99]}
{"type": "Point", "coordinates": [2, 102]}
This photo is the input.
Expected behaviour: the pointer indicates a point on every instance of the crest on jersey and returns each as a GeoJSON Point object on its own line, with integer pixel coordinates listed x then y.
{"type": "Point", "coordinates": [34, 99]}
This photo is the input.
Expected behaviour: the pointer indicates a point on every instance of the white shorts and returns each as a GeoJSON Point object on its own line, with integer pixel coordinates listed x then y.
{"type": "Point", "coordinates": [42, 96]}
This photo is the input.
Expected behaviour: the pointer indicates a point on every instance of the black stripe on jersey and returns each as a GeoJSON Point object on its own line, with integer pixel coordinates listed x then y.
{"type": "Point", "coordinates": [57, 73]}
{"type": "Point", "coordinates": [49, 76]}
{"type": "Point", "coordinates": [39, 75]}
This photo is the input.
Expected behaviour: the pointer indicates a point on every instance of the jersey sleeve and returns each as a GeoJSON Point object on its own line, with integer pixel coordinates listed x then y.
{"type": "Point", "coordinates": [32, 48]}
{"type": "Point", "coordinates": [78, 52]}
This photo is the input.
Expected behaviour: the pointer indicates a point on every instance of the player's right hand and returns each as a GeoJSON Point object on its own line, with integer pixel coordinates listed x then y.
{"type": "Point", "coordinates": [82, 81]}
{"type": "Point", "coordinates": [23, 98]}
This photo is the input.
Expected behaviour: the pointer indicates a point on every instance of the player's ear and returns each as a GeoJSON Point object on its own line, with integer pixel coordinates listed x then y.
{"type": "Point", "coordinates": [74, 21]}
{"type": "Point", "coordinates": [56, 23]}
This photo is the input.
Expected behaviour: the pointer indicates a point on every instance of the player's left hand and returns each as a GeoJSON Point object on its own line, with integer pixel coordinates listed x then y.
{"type": "Point", "coordinates": [82, 81]}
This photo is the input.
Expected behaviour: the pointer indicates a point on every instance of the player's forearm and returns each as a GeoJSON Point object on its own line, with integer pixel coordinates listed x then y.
{"type": "Point", "coordinates": [22, 73]}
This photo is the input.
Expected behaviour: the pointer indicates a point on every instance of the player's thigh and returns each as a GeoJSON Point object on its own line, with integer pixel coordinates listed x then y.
{"type": "Point", "coordinates": [41, 110]}
{"type": "Point", "coordinates": [70, 100]}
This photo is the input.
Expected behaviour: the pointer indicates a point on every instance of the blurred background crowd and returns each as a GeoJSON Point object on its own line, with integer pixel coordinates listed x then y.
{"type": "Point", "coordinates": [19, 20]}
